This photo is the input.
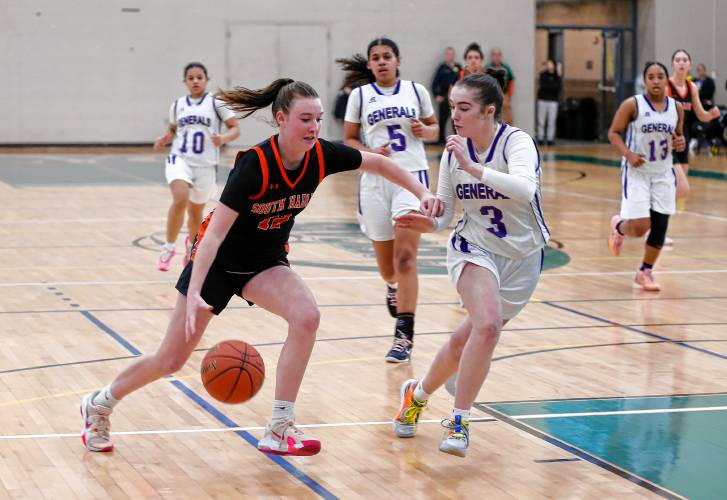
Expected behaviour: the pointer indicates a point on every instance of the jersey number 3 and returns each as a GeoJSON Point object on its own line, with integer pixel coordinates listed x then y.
{"type": "Point", "coordinates": [499, 228]}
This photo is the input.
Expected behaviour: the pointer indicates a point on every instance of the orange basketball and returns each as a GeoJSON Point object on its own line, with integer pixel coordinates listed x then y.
{"type": "Point", "coordinates": [233, 371]}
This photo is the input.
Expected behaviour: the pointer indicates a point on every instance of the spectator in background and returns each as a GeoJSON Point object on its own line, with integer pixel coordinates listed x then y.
{"type": "Point", "coordinates": [339, 110]}
{"type": "Point", "coordinates": [473, 59]}
{"type": "Point", "coordinates": [447, 73]}
{"type": "Point", "coordinates": [548, 97]}
{"type": "Point", "coordinates": [509, 84]}
{"type": "Point", "coordinates": [706, 86]}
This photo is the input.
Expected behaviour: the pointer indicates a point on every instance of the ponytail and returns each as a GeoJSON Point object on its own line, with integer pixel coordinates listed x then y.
{"type": "Point", "coordinates": [356, 68]}
{"type": "Point", "coordinates": [357, 71]}
{"type": "Point", "coordinates": [279, 93]}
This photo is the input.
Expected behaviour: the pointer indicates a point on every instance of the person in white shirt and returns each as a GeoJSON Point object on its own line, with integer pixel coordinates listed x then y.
{"type": "Point", "coordinates": [495, 253]}
{"type": "Point", "coordinates": [195, 123]}
{"type": "Point", "coordinates": [393, 117]}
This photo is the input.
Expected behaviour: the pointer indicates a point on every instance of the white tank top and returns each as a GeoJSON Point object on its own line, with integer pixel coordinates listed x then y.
{"type": "Point", "coordinates": [384, 117]}
{"type": "Point", "coordinates": [491, 220]}
{"type": "Point", "coordinates": [650, 134]}
{"type": "Point", "coordinates": [196, 121]}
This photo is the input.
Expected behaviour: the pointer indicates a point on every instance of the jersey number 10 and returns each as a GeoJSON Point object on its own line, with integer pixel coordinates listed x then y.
{"type": "Point", "coordinates": [197, 143]}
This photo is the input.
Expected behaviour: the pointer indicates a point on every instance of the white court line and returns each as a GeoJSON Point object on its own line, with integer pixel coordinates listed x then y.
{"type": "Point", "coordinates": [615, 201]}
{"type": "Point", "coordinates": [225, 429]}
{"type": "Point", "coordinates": [618, 412]}
{"type": "Point", "coordinates": [350, 278]}
{"type": "Point", "coordinates": [387, 422]}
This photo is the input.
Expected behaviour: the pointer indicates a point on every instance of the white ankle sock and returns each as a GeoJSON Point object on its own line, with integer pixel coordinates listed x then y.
{"type": "Point", "coordinates": [282, 412]}
{"type": "Point", "coordinates": [419, 393]}
{"type": "Point", "coordinates": [464, 413]}
{"type": "Point", "coordinates": [105, 398]}
{"type": "Point", "coordinates": [169, 246]}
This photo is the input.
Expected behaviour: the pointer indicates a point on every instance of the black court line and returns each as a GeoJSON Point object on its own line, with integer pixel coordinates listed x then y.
{"type": "Point", "coordinates": [654, 488]}
{"type": "Point", "coordinates": [680, 343]}
{"type": "Point", "coordinates": [556, 460]}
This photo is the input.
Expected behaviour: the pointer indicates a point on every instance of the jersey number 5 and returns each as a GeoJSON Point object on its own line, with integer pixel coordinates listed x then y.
{"type": "Point", "coordinates": [396, 138]}
{"type": "Point", "coordinates": [273, 222]}
{"type": "Point", "coordinates": [496, 220]}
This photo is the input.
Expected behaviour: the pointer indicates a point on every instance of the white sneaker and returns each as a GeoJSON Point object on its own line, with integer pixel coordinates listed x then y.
{"type": "Point", "coordinates": [287, 439]}
{"type": "Point", "coordinates": [96, 432]}
{"type": "Point", "coordinates": [457, 438]}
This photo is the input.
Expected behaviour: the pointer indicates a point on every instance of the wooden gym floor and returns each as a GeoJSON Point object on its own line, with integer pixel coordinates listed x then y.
{"type": "Point", "coordinates": [597, 389]}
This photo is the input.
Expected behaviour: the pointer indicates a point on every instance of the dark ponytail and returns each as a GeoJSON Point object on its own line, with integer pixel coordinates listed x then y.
{"type": "Point", "coordinates": [489, 88]}
{"type": "Point", "coordinates": [356, 67]}
{"type": "Point", "coordinates": [279, 93]}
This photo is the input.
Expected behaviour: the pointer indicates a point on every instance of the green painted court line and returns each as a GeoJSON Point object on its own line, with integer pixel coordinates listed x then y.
{"type": "Point", "coordinates": [605, 162]}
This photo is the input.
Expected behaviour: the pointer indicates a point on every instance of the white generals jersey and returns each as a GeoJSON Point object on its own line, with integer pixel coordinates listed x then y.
{"type": "Point", "coordinates": [491, 220]}
{"type": "Point", "coordinates": [650, 134]}
{"type": "Point", "coordinates": [196, 121]}
{"type": "Point", "coordinates": [384, 117]}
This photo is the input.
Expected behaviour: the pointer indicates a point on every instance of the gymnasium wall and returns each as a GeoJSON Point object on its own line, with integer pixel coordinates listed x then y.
{"type": "Point", "coordinates": [106, 72]}
{"type": "Point", "coordinates": [697, 26]}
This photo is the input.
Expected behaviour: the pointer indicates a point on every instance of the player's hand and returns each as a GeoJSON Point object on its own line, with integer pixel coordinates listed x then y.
{"type": "Point", "coordinates": [195, 303]}
{"type": "Point", "coordinates": [417, 127]}
{"type": "Point", "coordinates": [431, 206]}
{"type": "Point", "coordinates": [159, 143]}
{"type": "Point", "coordinates": [415, 222]}
{"type": "Point", "coordinates": [217, 140]}
{"type": "Point", "coordinates": [458, 146]}
{"type": "Point", "coordinates": [384, 149]}
{"type": "Point", "coordinates": [635, 160]}
{"type": "Point", "coordinates": [714, 113]}
{"type": "Point", "coordinates": [678, 142]}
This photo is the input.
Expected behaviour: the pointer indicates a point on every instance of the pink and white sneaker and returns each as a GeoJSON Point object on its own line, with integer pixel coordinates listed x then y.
{"type": "Point", "coordinates": [287, 439]}
{"type": "Point", "coordinates": [165, 258]}
{"type": "Point", "coordinates": [187, 251]}
{"type": "Point", "coordinates": [96, 432]}
{"type": "Point", "coordinates": [615, 239]}
{"type": "Point", "coordinates": [645, 279]}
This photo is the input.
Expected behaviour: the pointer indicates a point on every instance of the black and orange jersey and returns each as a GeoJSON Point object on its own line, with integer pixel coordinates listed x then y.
{"type": "Point", "coordinates": [267, 198]}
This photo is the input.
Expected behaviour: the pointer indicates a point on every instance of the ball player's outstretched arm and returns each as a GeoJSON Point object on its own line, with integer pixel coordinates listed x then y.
{"type": "Point", "coordinates": [380, 165]}
{"type": "Point", "coordinates": [215, 233]}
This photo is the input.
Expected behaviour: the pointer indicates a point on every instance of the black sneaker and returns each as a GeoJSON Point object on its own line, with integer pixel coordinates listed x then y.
{"type": "Point", "coordinates": [401, 350]}
{"type": "Point", "coordinates": [391, 300]}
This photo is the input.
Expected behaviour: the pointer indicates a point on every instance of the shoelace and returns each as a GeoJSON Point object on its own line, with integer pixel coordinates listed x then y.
{"type": "Point", "coordinates": [458, 431]}
{"type": "Point", "coordinates": [166, 255]}
{"type": "Point", "coordinates": [391, 297]}
{"type": "Point", "coordinates": [401, 344]}
{"type": "Point", "coordinates": [101, 425]}
{"type": "Point", "coordinates": [413, 411]}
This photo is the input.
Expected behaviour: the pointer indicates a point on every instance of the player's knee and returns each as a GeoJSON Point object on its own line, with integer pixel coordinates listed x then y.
{"type": "Point", "coordinates": [487, 331]}
{"type": "Point", "coordinates": [308, 318]}
{"type": "Point", "coordinates": [405, 261]}
{"type": "Point", "coordinates": [171, 363]}
{"type": "Point", "coordinates": [640, 227]}
{"type": "Point", "coordinates": [659, 226]}
{"type": "Point", "coordinates": [179, 204]}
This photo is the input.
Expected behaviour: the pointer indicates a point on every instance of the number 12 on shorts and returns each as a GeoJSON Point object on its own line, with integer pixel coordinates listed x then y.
{"type": "Point", "coordinates": [499, 228]}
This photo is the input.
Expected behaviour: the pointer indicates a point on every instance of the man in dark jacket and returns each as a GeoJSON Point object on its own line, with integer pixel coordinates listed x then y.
{"type": "Point", "coordinates": [447, 73]}
{"type": "Point", "coordinates": [548, 97]}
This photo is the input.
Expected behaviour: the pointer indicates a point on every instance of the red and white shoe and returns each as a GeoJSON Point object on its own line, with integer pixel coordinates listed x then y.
{"type": "Point", "coordinates": [165, 258]}
{"type": "Point", "coordinates": [96, 432]}
{"type": "Point", "coordinates": [645, 279]}
{"type": "Point", "coordinates": [187, 251]}
{"type": "Point", "coordinates": [615, 239]}
{"type": "Point", "coordinates": [287, 439]}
